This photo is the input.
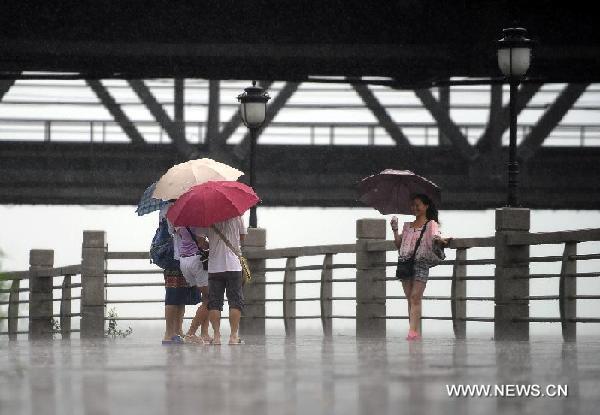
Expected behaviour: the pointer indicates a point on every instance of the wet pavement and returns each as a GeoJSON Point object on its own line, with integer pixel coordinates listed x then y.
{"type": "Point", "coordinates": [307, 375]}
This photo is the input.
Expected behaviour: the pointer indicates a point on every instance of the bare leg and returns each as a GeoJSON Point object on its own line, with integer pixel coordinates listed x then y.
{"type": "Point", "coordinates": [215, 322]}
{"type": "Point", "coordinates": [234, 321]}
{"type": "Point", "coordinates": [407, 287]}
{"type": "Point", "coordinates": [180, 314]}
{"type": "Point", "coordinates": [416, 297]}
{"type": "Point", "coordinates": [201, 317]}
{"type": "Point", "coordinates": [171, 319]}
{"type": "Point", "coordinates": [204, 315]}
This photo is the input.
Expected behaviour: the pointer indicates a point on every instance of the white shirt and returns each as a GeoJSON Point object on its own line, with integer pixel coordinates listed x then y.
{"type": "Point", "coordinates": [220, 258]}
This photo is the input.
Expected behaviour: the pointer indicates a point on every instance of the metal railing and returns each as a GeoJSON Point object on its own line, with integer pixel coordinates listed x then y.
{"type": "Point", "coordinates": [308, 133]}
{"type": "Point", "coordinates": [567, 293]}
{"type": "Point", "coordinates": [370, 278]}
{"type": "Point", "coordinates": [60, 279]}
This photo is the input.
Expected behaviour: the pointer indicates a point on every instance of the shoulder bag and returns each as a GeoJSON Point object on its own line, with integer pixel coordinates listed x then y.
{"type": "Point", "coordinates": [406, 266]}
{"type": "Point", "coordinates": [246, 274]}
{"type": "Point", "coordinates": [203, 253]}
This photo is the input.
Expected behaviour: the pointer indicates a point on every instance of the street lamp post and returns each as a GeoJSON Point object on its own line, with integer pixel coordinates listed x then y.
{"type": "Point", "coordinates": [514, 56]}
{"type": "Point", "coordinates": [253, 110]}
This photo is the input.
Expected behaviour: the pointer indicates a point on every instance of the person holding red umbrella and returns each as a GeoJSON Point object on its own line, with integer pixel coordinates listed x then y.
{"type": "Point", "coordinates": [216, 208]}
{"type": "Point", "coordinates": [419, 245]}
{"type": "Point", "coordinates": [225, 275]}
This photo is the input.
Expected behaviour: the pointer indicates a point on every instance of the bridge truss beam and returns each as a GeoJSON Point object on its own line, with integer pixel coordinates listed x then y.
{"type": "Point", "coordinates": [551, 118]}
{"type": "Point", "coordinates": [176, 132]}
{"type": "Point", "coordinates": [116, 111]}
{"type": "Point", "coordinates": [92, 173]}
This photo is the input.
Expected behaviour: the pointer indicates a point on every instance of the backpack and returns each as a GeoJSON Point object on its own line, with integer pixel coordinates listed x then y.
{"type": "Point", "coordinates": [161, 248]}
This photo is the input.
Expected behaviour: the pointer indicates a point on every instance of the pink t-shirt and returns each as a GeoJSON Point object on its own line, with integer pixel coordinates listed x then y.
{"type": "Point", "coordinates": [411, 235]}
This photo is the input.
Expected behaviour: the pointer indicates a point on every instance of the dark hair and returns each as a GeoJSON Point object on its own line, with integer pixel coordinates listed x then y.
{"type": "Point", "coordinates": [432, 212]}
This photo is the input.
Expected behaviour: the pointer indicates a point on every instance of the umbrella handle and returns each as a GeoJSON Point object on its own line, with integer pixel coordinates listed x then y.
{"type": "Point", "coordinates": [394, 223]}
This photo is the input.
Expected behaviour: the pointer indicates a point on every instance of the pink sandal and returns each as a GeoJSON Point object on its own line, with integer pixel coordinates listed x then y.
{"type": "Point", "coordinates": [413, 335]}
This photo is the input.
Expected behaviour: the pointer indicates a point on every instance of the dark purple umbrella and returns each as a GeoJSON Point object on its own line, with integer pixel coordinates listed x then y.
{"type": "Point", "coordinates": [391, 190]}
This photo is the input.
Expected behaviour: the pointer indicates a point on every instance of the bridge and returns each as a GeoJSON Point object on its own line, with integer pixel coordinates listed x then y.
{"type": "Point", "coordinates": [96, 103]}
{"type": "Point", "coordinates": [319, 140]}
{"type": "Point", "coordinates": [416, 44]}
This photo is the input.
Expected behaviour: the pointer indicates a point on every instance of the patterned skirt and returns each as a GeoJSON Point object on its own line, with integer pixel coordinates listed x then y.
{"type": "Point", "coordinates": [177, 290]}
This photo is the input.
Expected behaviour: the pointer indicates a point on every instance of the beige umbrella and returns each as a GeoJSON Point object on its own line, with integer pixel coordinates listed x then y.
{"type": "Point", "coordinates": [181, 177]}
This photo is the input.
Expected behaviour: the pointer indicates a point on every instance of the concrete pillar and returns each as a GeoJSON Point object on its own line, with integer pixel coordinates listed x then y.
{"type": "Point", "coordinates": [568, 290]}
{"type": "Point", "coordinates": [213, 121]}
{"type": "Point", "coordinates": [326, 294]}
{"type": "Point", "coordinates": [444, 100]}
{"type": "Point", "coordinates": [13, 310]}
{"type": "Point", "coordinates": [254, 293]}
{"type": "Point", "coordinates": [511, 261]}
{"type": "Point", "coordinates": [370, 279]}
{"type": "Point", "coordinates": [289, 297]}
{"type": "Point", "coordinates": [93, 278]}
{"type": "Point", "coordinates": [459, 289]}
{"type": "Point", "coordinates": [40, 294]}
{"type": "Point", "coordinates": [179, 104]}
{"type": "Point", "coordinates": [65, 308]}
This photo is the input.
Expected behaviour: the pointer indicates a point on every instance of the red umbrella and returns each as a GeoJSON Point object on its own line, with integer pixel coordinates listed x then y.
{"type": "Point", "coordinates": [391, 190]}
{"type": "Point", "coordinates": [211, 202]}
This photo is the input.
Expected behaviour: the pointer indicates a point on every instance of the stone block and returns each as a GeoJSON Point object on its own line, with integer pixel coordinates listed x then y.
{"type": "Point", "coordinates": [513, 219]}
{"type": "Point", "coordinates": [92, 321]}
{"type": "Point", "coordinates": [368, 282]}
{"type": "Point", "coordinates": [504, 326]}
{"type": "Point", "coordinates": [510, 255]}
{"type": "Point", "coordinates": [369, 260]}
{"type": "Point", "coordinates": [41, 257]}
{"type": "Point", "coordinates": [94, 239]}
{"type": "Point", "coordinates": [256, 237]}
{"type": "Point", "coordinates": [252, 326]}
{"type": "Point", "coordinates": [506, 288]}
{"type": "Point", "coordinates": [93, 291]}
{"type": "Point", "coordinates": [366, 324]}
{"type": "Point", "coordinates": [93, 262]}
{"type": "Point", "coordinates": [370, 228]}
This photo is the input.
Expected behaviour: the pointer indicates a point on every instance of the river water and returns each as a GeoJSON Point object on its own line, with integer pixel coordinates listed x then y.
{"type": "Point", "coordinates": [25, 227]}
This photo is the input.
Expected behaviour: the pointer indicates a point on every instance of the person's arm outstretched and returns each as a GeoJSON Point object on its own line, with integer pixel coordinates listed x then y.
{"type": "Point", "coordinates": [436, 235]}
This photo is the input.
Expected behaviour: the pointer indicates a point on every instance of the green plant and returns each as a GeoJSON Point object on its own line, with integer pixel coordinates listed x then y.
{"type": "Point", "coordinates": [113, 330]}
{"type": "Point", "coordinates": [55, 327]}
{"type": "Point", "coordinates": [3, 298]}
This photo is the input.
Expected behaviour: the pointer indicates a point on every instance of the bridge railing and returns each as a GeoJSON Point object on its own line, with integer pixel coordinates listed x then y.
{"type": "Point", "coordinates": [370, 274]}
{"type": "Point", "coordinates": [33, 291]}
{"type": "Point", "coordinates": [567, 296]}
{"type": "Point", "coordinates": [308, 133]}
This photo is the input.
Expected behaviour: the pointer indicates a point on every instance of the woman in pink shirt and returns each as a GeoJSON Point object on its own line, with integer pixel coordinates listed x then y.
{"type": "Point", "coordinates": [426, 215]}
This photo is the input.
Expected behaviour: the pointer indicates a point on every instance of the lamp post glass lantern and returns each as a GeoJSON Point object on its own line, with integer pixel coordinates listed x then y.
{"type": "Point", "coordinates": [253, 110]}
{"type": "Point", "coordinates": [514, 58]}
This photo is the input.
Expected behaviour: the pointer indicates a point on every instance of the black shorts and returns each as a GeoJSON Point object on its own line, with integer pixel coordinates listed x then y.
{"type": "Point", "coordinates": [221, 282]}
{"type": "Point", "coordinates": [177, 290]}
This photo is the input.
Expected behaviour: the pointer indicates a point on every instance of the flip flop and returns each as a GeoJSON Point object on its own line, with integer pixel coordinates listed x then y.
{"type": "Point", "coordinates": [413, 335]}
{"type": "Point", "coordinates": [238, 342]}
{"type": "Point", "coordinates": [206, 340]}
{"type": "Point", "coordinates": [174, 340]}
{"type": "Point", "coordinates": [193, 339]}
